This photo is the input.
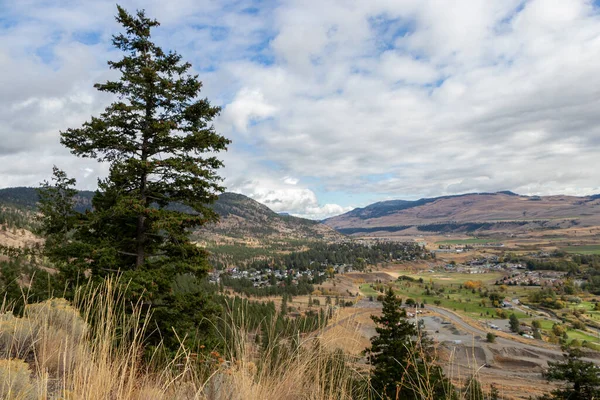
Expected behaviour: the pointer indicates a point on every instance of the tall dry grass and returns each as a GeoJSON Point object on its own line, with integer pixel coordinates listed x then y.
{"type": "Point", "coordinates": [93, 349]}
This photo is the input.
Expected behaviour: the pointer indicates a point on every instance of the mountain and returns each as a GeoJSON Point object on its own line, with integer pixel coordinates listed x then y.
{"type": "Point", "coordinates": [27, 198]}
{"type": "Point", "coordinates": [502, 211]}
{"type": "Point", "coordinates": [241, 217]}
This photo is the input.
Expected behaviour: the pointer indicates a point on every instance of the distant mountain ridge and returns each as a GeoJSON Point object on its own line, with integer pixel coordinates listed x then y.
{"type": "Point", "coordinates": [470, 212]}
{"type": "Point", "coordinates": [27, 197]}
{"type": "Point", "coordinates": [240, 216]}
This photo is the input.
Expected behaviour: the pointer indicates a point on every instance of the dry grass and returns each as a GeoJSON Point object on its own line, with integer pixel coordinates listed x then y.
{"type": "Point", "coordinates": [54, 352]}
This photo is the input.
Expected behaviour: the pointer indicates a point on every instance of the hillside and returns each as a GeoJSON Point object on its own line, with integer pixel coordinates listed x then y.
{"type": "Point", "coordinates": [241, 217]}
{"type": "Point", "coordinates": [27, 198]}
{"type": "Point", "coordinates": [502, 211]}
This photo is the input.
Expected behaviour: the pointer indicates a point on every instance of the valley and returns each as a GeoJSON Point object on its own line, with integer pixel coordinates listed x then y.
{"type": "Point", "coordinates": [462, 286]}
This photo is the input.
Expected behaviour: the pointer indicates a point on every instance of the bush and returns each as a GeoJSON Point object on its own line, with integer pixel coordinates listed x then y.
{"type": "Point", "coordinates": [50, 330]}
{"type": "Point", "coordinates": [15, 381]}
{"type": "Point", "coordinates": [578, 325]}
{"type": "Point", "coordinates": [473, 284]}
{"type": "Point", "coordinates": [490, 337]}
{"type": "Point", "coordinates": [17, 336]}
{"type": "Point", "coordinates": [558, 329]}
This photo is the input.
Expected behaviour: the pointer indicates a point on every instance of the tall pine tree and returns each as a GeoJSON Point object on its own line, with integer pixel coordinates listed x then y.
{"type": "Point", "coordinates": [400, 354]}
{"type": "Point", "coordinates": [160, 144]}
{"type": "Point", "coordinates": [580, 378]}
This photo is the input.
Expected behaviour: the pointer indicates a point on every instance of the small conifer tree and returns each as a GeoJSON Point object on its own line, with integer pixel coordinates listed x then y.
{"type": "Point", "coordinates": [400, 354]}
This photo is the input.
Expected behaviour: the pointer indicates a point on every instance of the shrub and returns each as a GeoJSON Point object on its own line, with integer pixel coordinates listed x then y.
{"type": "Point", "coordinates": [17, 336]}
{"type": "Point", "coordinates": [15, 381]}
{"type": "Point", "coordinates": [558, 329]}
{"type": "Point", "coordinates": [578, 325]}
{"type": "Point", "coordinates": [473, 284]}
{"type": "Point", "coordinates": [490, 337]}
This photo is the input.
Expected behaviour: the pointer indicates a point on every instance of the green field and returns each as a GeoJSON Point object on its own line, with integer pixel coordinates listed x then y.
{"type": "Point", "coordinates": [456, 278]}
{"type": "Point", "coordinates": [468, 241]}
{"type": "Point", "coordinates": [367, 290]}
{"type": "Point", "coordinates": [546, 326]}
{"type": "Point", "coordinates": [455, 298]}
{"type": "Point", "coordinates": [586, 249]}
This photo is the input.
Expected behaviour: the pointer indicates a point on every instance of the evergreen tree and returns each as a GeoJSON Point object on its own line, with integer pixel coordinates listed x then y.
{"type": "Point", "coordinates": [160, 144]}
{"type": "Point", "coordinates": [514, 323]}
{"type": "Point", "coordinates": [284, 305]}
{"type": "Point", "coordinates": [57, 220]}
{"type": "Point", "coordinates": [400, 355]}
{"type": "Point", "coordinates": [582, 378]}
{"type": "Point", "coordinates": [473, 390]}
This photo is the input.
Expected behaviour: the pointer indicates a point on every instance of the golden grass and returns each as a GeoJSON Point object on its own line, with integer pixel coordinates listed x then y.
{"type": "Point", "coordinates": [62, 356]}
{"type": "Point", "coordinates": [54, 352]}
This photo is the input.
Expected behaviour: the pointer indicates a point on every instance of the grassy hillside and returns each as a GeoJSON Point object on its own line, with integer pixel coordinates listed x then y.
{"type": "Point", "coordinates": [478, 212]}
{"type": "Point", "coordinates": [242, 217]}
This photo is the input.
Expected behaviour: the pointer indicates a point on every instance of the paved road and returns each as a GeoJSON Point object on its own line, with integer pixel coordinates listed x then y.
{"type": "Point", "coordinates": [550, 353]}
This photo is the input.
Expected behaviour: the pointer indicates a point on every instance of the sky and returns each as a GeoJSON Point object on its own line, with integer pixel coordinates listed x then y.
{"type": "Point", "coordinates": [331, 105]}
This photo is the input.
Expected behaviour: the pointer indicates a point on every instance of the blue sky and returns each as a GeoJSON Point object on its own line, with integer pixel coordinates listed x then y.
{"type": "Point", "coordinates": [332, 104]}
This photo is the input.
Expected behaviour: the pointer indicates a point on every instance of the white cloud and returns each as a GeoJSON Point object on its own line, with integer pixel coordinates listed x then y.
{"type": "Point", "coordinates": [403, 98]}
{"type": "Point", "coordinates": [248, 106]}
{"type": "Point", "coordinates": [286, 196]}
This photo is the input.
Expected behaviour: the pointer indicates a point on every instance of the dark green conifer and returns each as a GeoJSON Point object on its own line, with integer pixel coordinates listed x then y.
{"type": "Point", "coordinates": [160, 144]}
{"type": "Point", "coordinates": [401, 356]}
{"type": "Point", "coordinates": [581, 379]}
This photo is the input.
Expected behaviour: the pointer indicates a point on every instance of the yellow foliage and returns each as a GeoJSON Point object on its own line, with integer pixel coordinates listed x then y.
{"type": "Point", "coordinates": [473, 284]}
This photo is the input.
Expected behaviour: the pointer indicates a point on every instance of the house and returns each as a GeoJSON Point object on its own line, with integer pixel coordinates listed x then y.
{"type": "Point", "coordinates": [507, 304]}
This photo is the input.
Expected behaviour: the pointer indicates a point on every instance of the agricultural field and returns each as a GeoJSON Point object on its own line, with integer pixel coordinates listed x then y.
{"type": "Point", "coordinates": [455, 277]}
{"type": "Point", "coordinates": [584, 249]}
{"type": "Point", "coordinates": [469, 241]}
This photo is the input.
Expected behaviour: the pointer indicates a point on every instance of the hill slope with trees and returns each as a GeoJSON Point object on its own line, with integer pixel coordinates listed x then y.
{"type": "Point", "coordinates": [240, 217]}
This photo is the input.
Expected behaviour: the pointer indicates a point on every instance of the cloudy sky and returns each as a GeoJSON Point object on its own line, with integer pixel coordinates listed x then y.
{"type": "Point", "coordinates": [332, 104]}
